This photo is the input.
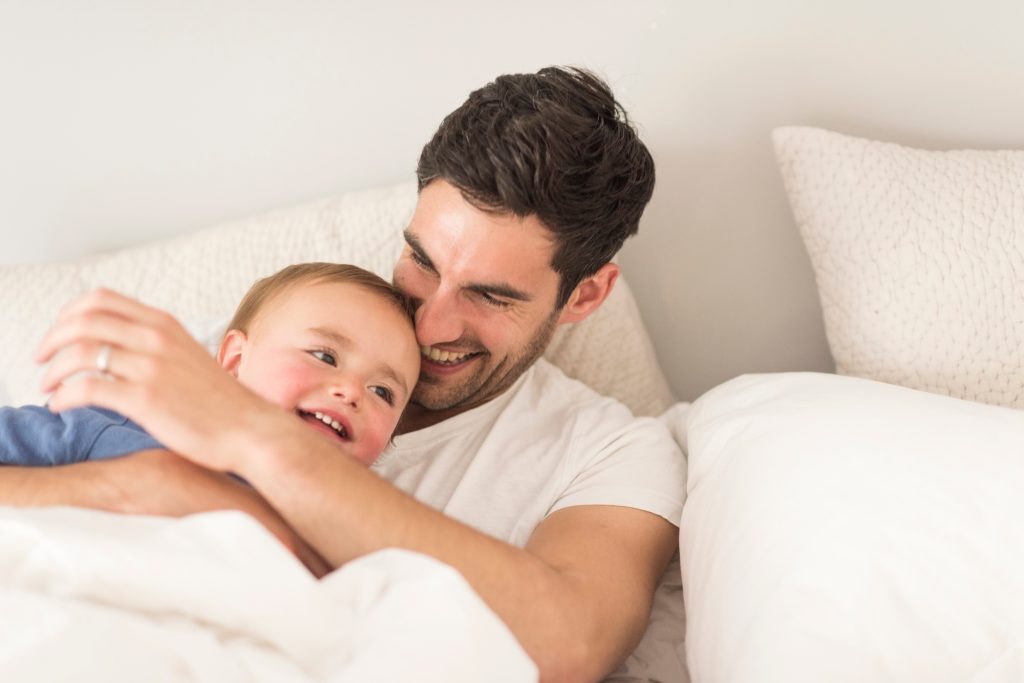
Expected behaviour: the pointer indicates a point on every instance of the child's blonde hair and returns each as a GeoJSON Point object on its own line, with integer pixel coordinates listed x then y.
{"type": "Point", "coordinates": [266, 289]}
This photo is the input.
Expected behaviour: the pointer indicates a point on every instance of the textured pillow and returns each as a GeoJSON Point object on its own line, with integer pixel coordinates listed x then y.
{"type": "Point", "coordinates": [919, 259]}
{"type": "Point", "coordinates": [201, 277]}
{"type": "Point", "coordinates": [845, 530]}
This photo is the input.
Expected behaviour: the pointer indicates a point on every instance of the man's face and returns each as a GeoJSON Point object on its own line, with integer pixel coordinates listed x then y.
{"type": "Point", "coordinates": [485, 293]}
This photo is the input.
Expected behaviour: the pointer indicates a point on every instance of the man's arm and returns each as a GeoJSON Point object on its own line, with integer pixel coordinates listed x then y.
{"type": "Point", "coordinates": [577, 597]}
{"type": "Point", "coordinates": [79, 485]}
{"type": "Point", "coordinates": [148, 482]}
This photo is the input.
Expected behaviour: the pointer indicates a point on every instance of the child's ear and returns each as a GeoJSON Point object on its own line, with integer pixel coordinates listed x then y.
{"type": "Point", "coordinates": [589, 294]}
{"type": "Point", "coordinates": [232, 347]}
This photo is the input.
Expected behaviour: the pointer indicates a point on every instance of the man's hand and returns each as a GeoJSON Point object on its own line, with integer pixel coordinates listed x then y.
{"type": "Point", "coordinates": [154, 373]}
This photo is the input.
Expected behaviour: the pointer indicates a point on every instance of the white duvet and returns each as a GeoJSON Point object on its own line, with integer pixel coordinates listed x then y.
{"type": "Point", "coordinates": [92, 596]}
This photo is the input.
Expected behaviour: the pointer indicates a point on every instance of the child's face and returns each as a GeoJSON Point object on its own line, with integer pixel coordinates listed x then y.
{"type": "Point", "coordinates": [331, 350]}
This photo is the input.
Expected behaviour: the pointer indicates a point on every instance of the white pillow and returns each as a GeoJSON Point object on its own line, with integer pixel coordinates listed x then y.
{"type": "Point", "coordinates": [840, 529]}
{"type": "Point", "coordinates": [919, 259]}
{"type": "Point", "coordinates": [201, 277]}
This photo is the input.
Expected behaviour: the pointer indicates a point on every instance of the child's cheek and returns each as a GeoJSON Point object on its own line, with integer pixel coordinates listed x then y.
{"type": "Point", "coordinates": [287, 384]}
{"type": "Point", "coordinates": [376, 438]}
{"type": "Point", "coordinates": [298, 380]}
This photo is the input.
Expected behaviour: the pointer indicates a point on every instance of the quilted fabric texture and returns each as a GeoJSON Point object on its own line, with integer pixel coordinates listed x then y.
{"type": "Point", "coordinates": [201, 277]}
{"type": "Point", "coordinates": [919, 260]}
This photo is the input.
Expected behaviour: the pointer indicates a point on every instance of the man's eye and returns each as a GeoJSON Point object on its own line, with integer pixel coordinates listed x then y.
{"type": "Point", "coordinates": [420, 261]}
{"type": "Point", "coordinates": [491, 301]}
{"type": "Point", "coordinates": [385, 394]}
{"type": "Point", "coordinates": [324, 356]}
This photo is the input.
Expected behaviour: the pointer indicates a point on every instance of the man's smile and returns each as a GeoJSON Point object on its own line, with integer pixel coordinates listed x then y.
{"type": "Point", "coordinates": [439, 361]}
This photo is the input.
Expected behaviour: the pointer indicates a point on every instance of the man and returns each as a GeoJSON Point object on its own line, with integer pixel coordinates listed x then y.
{"type": "Point", "coordinates": [554, 503]}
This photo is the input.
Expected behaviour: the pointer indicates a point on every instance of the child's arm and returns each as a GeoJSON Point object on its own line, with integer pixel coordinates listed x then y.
{"type": "Point", "coordinates": [126, 485]}
{"type": "Point", "coordinates": [34, 437]}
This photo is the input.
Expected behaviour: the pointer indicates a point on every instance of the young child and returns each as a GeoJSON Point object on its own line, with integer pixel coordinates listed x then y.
{"type": "Point", "coordinates": [332, 342]}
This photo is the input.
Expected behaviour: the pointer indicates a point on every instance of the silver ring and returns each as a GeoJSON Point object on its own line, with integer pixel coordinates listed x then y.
{"type": "Point", "coordinates": [103, 359]}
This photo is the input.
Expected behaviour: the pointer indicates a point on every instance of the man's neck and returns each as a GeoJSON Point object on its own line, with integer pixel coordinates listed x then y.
{"type": "Point", "coordinates": [417, 417]}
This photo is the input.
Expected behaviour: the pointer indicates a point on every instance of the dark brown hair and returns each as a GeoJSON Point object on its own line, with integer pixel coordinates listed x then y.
{"type": "Point", "coordinates": [269, 287]}
{"type": "Point", "coordinates": [554, 144]}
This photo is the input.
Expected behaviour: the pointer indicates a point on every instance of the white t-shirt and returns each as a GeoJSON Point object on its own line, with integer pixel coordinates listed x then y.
{"type": "Point", "coordinates": [548, 443]}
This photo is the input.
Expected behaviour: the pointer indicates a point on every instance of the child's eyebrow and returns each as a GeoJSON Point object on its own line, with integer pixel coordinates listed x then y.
{"type": "Point", "coordinates": [336, 337]}
{"type": "Point", "coordinates": [340, 340]}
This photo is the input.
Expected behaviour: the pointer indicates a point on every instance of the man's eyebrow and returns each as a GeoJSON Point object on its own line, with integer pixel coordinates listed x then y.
{"type": "Point", "coordinates": [344, 342]}
{"type": "Point", "coordinates": [414, 242]}
{"type": "Point", "coordinates": [500, 289]}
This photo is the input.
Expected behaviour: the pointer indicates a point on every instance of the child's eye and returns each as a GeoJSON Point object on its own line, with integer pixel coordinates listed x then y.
{"type": "Point", "coordinates": [325, 356]}
{"type": "Point", "coordinates": [385, 394]}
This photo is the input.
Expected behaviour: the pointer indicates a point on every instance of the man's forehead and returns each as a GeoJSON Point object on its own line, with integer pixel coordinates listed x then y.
{"type": "Point", "coordinates": [441, 206]}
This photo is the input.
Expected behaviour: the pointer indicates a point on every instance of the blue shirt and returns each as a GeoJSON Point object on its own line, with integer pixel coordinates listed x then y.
{"type": "Point", "coordinates": [35, 437]}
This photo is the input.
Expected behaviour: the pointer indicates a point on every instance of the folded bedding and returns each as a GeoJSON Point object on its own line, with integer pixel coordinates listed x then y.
{"type": "Point", "coordinates": [89, 595]}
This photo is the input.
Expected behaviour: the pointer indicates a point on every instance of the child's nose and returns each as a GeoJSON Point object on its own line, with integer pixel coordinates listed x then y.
{"type": "Point", "coordinates": [347, 391]}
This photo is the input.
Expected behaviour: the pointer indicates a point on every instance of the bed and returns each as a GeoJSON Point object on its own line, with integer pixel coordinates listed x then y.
{"type": "Point", "coordinates": [159, 589]}
{"type": "Point", "coordinates": [860, 526]}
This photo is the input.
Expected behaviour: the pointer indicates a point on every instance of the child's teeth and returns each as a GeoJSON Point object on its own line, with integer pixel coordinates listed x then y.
{"type": "Point", "coordinates": [329, 421]}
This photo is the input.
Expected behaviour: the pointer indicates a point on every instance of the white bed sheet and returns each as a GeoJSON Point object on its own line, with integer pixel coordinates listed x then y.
{"type": "Point", "coordinates": [88, 595]}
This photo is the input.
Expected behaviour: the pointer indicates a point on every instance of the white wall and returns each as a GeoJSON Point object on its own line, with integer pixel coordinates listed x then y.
{"type": "Point", "coordinates": [122, 122]}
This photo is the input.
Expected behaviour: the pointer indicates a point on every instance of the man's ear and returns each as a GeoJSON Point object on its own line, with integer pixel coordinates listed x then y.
{"type": "Point", "coordinates": [231, 350]}
{"type": "Point", "coordinates": [589, 294]}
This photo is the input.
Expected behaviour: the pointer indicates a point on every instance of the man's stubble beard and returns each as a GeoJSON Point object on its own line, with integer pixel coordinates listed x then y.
{"type": "Point", "coordinates": [485, 383]}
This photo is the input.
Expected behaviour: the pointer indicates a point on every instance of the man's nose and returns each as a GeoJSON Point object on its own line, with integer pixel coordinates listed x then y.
{"type": "Point", "coordinates": [437, 318]}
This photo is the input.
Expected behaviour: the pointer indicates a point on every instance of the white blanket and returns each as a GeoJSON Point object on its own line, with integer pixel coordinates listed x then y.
{"type": "Point", "coordinates": [92, 596]}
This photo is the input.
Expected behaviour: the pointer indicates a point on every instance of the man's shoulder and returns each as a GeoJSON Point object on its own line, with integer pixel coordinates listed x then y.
{"type": "Point", "coordinates": [548, 391]}
{"type": "Point", "coordinates": [546, 378]}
